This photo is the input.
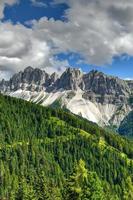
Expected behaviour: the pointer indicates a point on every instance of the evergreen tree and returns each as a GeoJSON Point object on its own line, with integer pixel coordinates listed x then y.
{"type": "Point", "coordinates": [128, 192]}
{"type": "Point", "coordinates": [83, 185]}
{"type": "Point", "coordinates": [40, 146]}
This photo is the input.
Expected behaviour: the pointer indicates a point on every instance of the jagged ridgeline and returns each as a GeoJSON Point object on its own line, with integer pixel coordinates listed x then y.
{"type": "Point", "coordinates": [51, 154]}
{"type": "Point", "coordinates": [105, 100]}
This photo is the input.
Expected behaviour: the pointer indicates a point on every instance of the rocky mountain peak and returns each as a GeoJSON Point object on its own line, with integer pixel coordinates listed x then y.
{"type": "Point", "coordinates": [94, 82]}
{"type": "Point", "coordinates": [28, 69]}
{"type": "Point", "coordinates": [98, 97]}
{"type": "Point", "coordinates": [73, 71]}
{"type": "Point", "coordinates": [70, 79]}
{"type": "Point", "coordinates": [102, 84]}
{"type": "Point", "coordinates": [36, 76]}
{"type": "Point", "coordinates": [54, 77]}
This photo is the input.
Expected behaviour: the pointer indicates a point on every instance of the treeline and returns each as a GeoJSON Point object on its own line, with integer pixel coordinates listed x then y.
{"type": "Point", "coordinates": [51, 154]}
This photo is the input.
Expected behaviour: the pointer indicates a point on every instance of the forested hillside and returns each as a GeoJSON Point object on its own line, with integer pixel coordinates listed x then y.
{"type": "Point", "coordinates": [126, 126]}
{"type": "Point", "coordinates": [50, 154]}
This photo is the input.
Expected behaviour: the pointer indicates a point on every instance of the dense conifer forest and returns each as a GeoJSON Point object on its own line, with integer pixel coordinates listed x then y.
{"type": "Point", "coordinates": [50, 154]}
{"type": "Point", "coordinates": [126, 126]}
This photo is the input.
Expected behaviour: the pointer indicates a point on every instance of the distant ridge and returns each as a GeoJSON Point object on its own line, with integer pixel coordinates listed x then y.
{"type": "Point", "coordinates": [96, 96]}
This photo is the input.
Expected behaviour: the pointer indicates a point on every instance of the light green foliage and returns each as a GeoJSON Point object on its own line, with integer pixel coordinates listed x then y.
{"type": "Point", "coordinates": [128, 192]}
{"type": "Point", "coordinates": [83, 185]}
{"type": "Point", "coordinates": [50, 154]}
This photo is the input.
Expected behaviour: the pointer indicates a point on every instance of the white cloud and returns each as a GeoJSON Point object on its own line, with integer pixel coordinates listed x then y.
{"type": "Point", "coordinates": [3, 3]}
{"type": "Point", "coordinates": [38, 3]}
{"type": "Point", "coordinates": [4, 75]}
{"type": "Point", "coordinates": [96, 29]}
{"type": "Point", "coordinates": [19, 47]}
{"type": "Point", "coordinates": [56, 66]}
{"type": "Point", "coordinates": [129, 78]}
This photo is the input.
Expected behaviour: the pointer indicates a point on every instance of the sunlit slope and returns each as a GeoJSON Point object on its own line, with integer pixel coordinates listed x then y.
{"type": "Point", "coordinates": [36, 140]}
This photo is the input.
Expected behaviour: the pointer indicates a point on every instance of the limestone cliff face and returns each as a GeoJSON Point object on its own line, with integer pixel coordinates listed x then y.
{"type": "Point", "coordinates": [96, 96]}
{"type": "Point", "coordinates": [30, 79]}
{"type": "Point", "coordinates": [71, 79]}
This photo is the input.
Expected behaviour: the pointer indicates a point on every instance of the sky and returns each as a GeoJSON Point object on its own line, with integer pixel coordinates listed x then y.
{"type": "Point", "coordinates": [55, 34]}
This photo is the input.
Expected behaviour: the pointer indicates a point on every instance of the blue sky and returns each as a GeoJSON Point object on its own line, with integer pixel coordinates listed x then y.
{"type": "Point", "coordinates": [87, 57]}
{"type": "Point", "coordinates": [25, 11]}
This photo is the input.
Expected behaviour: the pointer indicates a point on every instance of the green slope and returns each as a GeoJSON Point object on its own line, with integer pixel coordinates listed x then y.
{"type": "Point", "coordinates": [39, 148]}
{"type": "Point", "coordinates": [126, 126]}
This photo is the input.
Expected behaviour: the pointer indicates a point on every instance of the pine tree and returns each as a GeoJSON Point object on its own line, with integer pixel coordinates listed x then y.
{"type": "Point", "coordinates": [83, 185]}
{"type": "Point", "coordinates": [128, 192]}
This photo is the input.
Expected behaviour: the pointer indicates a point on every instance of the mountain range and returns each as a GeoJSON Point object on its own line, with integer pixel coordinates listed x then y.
{"type": "Point", "coordinates": [103, 99]}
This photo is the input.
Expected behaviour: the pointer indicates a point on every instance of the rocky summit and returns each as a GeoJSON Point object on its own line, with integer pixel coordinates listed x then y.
{"type": "Point", "coordinates": [98, 97]}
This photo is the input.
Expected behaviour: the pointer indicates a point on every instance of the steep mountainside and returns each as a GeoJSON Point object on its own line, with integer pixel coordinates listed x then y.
{"type": "Point", "coordinates": [126, 126]}
{"type": "Point", "coordinates": [100, 98]}
{"type": "Point", "coordinates": [39, 148]}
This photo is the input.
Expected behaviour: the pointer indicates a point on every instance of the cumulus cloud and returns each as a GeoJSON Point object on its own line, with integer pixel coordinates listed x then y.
{"type": "Point", "coordinates": [129, 78]}
{"type": "Point", "coordinates": [96, 29]}
{"type": "Point", "coordinates": [3, 3]}
{"type": "Point", "coordinates": [38, 3]}
{"type": "Point", "coordinates": [19, 47]}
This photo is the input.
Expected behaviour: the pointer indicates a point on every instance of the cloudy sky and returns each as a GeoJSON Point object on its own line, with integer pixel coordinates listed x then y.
{"type": "Point", "coordinates": [54, 34]}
